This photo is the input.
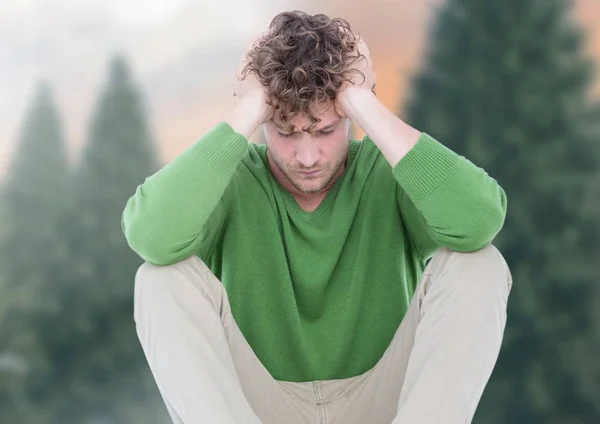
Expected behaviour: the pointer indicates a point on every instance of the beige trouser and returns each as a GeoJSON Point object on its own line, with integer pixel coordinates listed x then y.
{"type": "Point", "coordinates": [433, 372]}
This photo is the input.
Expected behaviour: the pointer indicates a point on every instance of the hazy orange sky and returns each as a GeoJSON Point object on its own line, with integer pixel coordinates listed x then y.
{"type": "Point", "coordinates": [183, 54]}
{"type": "Point", "coordinates": [396, 34]}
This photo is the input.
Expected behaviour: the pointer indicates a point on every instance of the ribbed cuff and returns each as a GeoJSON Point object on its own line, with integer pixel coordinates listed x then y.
{"type": "Point", "coordinates": [221, 147]}
{"type": "Point", "coordinates": [424, 168]}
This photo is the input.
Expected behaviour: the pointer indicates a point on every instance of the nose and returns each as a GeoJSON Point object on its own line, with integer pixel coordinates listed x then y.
{"type": "Point", "coordinates": [308, 155]}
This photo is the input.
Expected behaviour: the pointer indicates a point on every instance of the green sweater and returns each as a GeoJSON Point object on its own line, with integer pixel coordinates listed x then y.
{"type": "Point", "coordinates": [317, 295]}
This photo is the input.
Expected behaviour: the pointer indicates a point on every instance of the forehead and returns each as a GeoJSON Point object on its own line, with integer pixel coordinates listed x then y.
{"type": "Point", "coordinates": [325, 115]}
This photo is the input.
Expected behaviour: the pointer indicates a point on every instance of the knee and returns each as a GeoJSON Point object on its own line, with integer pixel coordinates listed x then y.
{"type": "Point", "coordinates": [489, 256]}
{"type": "Point", "coordinates": [149, 273]}
{"type": "Point", "coordinates": [156, 285]}
{"type": "Point", "coordinates": [152, 275]}
{"type": "Point", "coordinates": [483, 270]}
{"type": "Point", "coordinates": [150, 280]}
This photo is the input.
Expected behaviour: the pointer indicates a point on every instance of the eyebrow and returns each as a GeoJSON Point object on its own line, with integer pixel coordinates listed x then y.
{"type": "Point", "coordinates": [324, 128]}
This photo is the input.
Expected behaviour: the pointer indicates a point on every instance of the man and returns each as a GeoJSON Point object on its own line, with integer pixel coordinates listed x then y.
{"type": "Point", "coordinates": [318, 279]}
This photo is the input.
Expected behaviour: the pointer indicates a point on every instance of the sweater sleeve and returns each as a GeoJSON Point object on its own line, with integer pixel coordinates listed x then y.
{"type": "Point", "coordinates": [446, 200]}
{"type": "Point", "coordinates": [179, 208]}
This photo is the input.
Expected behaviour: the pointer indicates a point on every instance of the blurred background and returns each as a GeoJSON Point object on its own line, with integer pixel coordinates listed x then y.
{"type": "Point", "coordinates": [96, 96]}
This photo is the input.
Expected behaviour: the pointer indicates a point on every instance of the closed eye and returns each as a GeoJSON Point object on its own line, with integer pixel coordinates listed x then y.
{"type": "Point", "coordinates": [324, 133]}
{"type": "Point", "coordinates": [318, 134]}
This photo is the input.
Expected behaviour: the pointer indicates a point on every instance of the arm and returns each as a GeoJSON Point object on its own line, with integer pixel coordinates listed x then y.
{"type": "Point", "coordinates": [445, 199]}
{"type": "Point", "coordinates": [164, 220]}
{"type": "Point", "coordinates": [179, 210]}
{"type": "Point", "coordinates": [447, 202]}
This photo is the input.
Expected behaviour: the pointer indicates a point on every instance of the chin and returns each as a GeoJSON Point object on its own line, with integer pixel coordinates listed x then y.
{"type": "Point", "coordinates": [310, 188]}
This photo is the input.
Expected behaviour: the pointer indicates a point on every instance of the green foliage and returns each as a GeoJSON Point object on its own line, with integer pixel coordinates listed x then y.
{"type": "Point", "coordinates": [505, 84]}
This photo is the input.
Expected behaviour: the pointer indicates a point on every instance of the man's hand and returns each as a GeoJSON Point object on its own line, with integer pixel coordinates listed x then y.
{"type": "Point", "coordinates": [252, 108]}
{"type": "Point", "coordinates": [362, 80]}
{"type": "Point", "coordinates": [357, 101]}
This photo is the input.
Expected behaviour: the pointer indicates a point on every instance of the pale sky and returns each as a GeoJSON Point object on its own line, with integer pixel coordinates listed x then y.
{"type": "Point", "coordinates": [68, 42]}
{"type": "Point", "coordinates": [183, 54]}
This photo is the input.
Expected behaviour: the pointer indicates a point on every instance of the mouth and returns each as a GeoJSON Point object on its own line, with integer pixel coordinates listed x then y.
{"type": "Point", "coordinates": [309, 174]}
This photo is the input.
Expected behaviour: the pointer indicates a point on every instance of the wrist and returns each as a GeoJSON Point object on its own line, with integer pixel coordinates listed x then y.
{"type": "Point", "coordinates": [247, 116]}
{"type": "Point", "coordinates": [355, 100]}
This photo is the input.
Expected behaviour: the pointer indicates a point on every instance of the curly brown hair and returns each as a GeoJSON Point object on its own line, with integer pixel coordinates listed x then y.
{"type": "Point", "coordinates": [303, 60]}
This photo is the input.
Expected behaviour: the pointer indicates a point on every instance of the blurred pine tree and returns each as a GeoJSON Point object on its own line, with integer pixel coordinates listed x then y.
{"type": "Point", "coordinates": [100, 371]}
{"type": "Point", "coordinates": [505, 84]}
{"type": "Point", "coordinates": [33, 253]}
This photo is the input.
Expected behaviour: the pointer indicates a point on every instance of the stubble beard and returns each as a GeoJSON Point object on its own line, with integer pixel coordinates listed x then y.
{"type": "Point", "coordinates": [297, 183]}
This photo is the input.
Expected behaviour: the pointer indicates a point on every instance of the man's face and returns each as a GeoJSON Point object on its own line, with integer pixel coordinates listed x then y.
{"type": "Point", "coordinates": [308, 162]}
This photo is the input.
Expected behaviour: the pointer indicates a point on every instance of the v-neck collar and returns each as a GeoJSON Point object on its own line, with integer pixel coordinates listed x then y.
{"type": "Point", "coordinates": [294, 207]}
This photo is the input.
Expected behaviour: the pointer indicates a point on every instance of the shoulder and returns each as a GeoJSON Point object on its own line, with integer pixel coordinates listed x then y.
{"type": "Point", "coordinates": [252, 172]}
